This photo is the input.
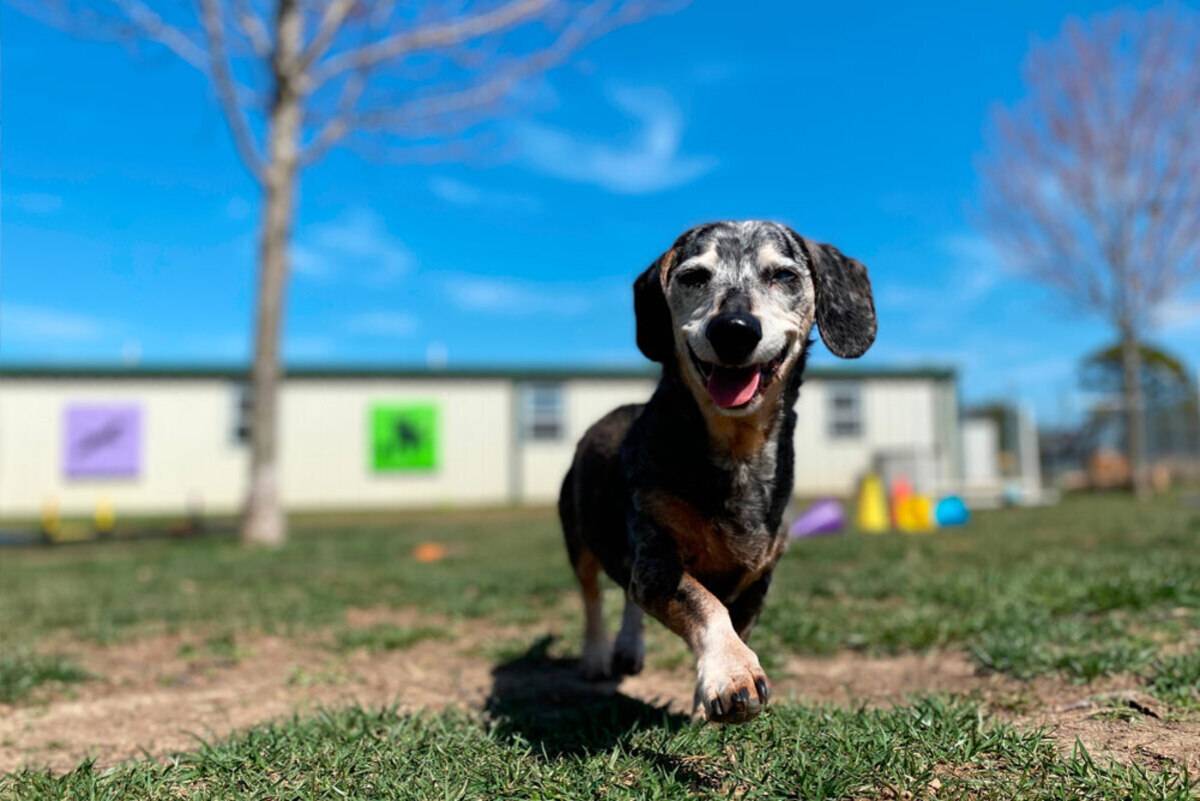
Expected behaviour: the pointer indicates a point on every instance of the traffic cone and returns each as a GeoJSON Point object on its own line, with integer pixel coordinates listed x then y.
{"type": "Point", "coordinates": [872, 511]}
{"type": "Point", "coordinates": [104, 521]}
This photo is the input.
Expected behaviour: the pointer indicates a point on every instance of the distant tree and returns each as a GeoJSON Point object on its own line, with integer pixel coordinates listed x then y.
{"type": "Point", "coordinates": [1091, 183]}
{"type": "Point", "coordinates": [1171, 404]}
{"type": "Point", "coordinates": [296, 78]}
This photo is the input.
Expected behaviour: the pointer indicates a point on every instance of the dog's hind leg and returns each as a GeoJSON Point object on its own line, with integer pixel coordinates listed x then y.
{"type": "Point", "coordinates": [596, 659]}
{"type": "Point", "coordinates": [629, 652]}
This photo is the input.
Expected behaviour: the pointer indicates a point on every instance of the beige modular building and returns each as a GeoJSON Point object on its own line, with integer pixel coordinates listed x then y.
{"type": "Point", "coordinates": [161, 440]}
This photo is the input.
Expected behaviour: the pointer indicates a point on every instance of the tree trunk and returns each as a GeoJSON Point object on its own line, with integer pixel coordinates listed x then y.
{"type": "Point", "coordinates": [264, 522]}
{"type": "Point", "coordinates": [1135, 419]}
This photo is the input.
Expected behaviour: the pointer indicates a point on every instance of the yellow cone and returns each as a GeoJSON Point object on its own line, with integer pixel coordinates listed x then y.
{"type": "Point", "coordinates": [915, 514]}
{"type": "Point", "coordinates": [105, 519]}
{"type": "Point", "coordinates": [872, 512]}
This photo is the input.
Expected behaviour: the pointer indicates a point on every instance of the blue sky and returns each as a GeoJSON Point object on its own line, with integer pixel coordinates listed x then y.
{"type": "Point", "coordinates": [128, 224]}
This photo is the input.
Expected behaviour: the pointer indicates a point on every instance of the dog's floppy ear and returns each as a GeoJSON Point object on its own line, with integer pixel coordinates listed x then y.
{"type": "Point", "coordinates": [845, 307]}
{"type": "Point", "coordinates": [655, 339]}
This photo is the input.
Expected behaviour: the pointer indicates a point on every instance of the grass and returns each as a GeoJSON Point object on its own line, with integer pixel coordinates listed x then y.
{"type": "Point", "coordinates": [933, 747]}
{"type": "Point", "coordinates": [1092, 587]}
{"type": "Point", "coordinates": [1176, 679]}
{"type": "Point", "coordinates": [22, 672]}
{"type": "Point", "coordinates": [385, 637]}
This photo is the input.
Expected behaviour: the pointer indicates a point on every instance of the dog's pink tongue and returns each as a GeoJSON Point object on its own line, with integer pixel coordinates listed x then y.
{"type": "Point", "coordinates": [730, 388]}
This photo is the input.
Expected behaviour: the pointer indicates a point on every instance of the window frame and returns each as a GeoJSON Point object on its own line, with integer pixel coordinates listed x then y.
{"type": "Point", "coordinates": [543, 422]}
{"type": "Point", "coordinates": [844, 416]}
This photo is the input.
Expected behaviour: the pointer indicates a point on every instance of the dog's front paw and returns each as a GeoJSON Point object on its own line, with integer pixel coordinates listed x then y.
{"type": "Point", "coordinates": [731, 687]}
{"type": "Point", "coordinates": [596, 661]}
{"type": "Point", "coordinates": [628, 657]}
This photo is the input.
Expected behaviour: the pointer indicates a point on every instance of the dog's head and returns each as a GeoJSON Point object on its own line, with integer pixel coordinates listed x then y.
{"type": "Point", "coordinates": [731, 304]}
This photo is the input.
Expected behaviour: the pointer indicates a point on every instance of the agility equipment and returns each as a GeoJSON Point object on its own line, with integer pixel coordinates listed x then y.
{"type": "Point", "coordinates": [914, 515]}
{"type": "Point", "coordinates": [872, 509]}
{"type": "Point", "coordinates": [826, 516]}
{"type": "Point", "coordinates": [104, 521]}
{"type": "Point", "coordinates": [952, 511]}
{"type": "Point", "coordinates": [901, 491]}
{"type": "Point", "coordinates": [427, 552]}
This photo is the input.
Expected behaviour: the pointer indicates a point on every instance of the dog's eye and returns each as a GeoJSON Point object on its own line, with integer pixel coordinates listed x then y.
{"type": "Point", "coordinates": [785, 276]}
{"type": "Point", "coordinates": [694, 278]}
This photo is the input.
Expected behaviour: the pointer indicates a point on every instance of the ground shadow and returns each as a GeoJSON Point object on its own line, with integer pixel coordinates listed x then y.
{"type": "Point", "coordinates": [543, 700]}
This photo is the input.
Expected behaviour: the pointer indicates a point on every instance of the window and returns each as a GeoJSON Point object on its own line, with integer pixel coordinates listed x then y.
{"type": "Point", "coordinates": [542, 412]}
{"type": "Point", "coordinates": [844, 410]}
{"type": "Point", "coordinates": [242, 412]}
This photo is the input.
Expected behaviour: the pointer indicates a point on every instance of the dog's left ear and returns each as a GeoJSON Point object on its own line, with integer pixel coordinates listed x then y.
{"type": "Point", "coordinates": [845, 306]}
{"type": "Point", "coordinates": [654, 336]}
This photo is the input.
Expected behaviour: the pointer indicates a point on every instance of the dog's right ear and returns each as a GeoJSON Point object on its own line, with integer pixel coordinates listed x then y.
{"type": "Point", "coordinates": [655, 339]}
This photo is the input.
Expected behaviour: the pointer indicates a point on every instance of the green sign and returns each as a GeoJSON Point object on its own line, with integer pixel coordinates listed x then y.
{"type": "Point", "coordinates": [404, 437]}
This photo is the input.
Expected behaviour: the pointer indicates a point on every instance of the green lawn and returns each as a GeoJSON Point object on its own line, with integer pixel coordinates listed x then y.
{"type": "Point", "coordinates": [931, 748]}
{"type": "Point", "coordinates": [1093, 587]}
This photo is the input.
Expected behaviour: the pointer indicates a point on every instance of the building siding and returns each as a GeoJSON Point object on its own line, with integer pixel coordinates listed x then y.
{"type": "Point", "coordinates": [192, 457]}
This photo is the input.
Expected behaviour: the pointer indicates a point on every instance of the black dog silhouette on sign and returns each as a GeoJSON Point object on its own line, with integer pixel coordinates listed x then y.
{"type": "Point", "coordinates": [405, 437]}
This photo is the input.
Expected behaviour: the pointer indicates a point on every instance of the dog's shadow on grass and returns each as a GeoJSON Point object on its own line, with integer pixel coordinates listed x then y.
{"type": "Point", "coordinates": [543, 700]}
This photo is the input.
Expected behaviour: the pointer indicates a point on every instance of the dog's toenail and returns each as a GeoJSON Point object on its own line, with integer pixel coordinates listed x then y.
{"type": "Point", "coordinates": [764, 692]}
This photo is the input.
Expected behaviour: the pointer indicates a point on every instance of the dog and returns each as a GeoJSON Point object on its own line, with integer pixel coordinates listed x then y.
{"type": "Point", "coordinates": [680, 500]}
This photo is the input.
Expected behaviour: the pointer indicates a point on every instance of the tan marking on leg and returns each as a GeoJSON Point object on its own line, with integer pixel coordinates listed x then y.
{"type": "Point", "coordinates": [596, 656]}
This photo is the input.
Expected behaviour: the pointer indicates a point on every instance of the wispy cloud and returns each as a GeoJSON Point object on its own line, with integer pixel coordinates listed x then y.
{"type": "Point", "coordinates": [510, 296]}
{"type": "Point", "coordinates": [1180, 314]}
{"type": "Point", "coordinates": [468, 195]}
{"type": "Point", "coordinates": [973, 270]}
{"type": "Point", "coordinates": [35, 203]}
{"type": "Point", "coordinates": [381, 324]}
{"type": "Point", "coordinates": [31, 323]}
{"type": "Point", "coordinates": [357, 241]}
{"type": "Point", "coordinates": [650, 161]}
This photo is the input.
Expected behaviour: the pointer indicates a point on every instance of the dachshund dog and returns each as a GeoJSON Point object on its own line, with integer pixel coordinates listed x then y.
{"type": "Point", "coordinates": [680, 500]}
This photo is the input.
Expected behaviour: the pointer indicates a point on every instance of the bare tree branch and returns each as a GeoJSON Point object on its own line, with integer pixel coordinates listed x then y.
{"type": "Point", "coordinates": [226, 89]}
{"type": "Point", "coordinates": [253, 28]}
{"type": "Point", "coordinates": [154, 27]}
{"type": "Point", "coordinates": [439, 35]}
{"type": "Point", "coordinates": [331, 22]}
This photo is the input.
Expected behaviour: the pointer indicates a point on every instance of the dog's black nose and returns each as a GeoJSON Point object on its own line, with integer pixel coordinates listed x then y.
{"type": "Point", "coordinates": [734, 336]}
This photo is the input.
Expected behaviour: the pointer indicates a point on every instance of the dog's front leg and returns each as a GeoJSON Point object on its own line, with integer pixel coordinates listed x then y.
{"type": "Point", "coordinates": [731, 686]}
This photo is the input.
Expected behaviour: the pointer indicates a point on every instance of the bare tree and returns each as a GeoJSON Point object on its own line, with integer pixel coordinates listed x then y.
{"type": "Point", "coordinates": [296, 78]}
{"type": "Point", "coordinates": [1092, 180]}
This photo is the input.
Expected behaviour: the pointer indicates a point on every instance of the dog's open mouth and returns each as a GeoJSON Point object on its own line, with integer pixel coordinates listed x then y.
{"type": "Point", "coordinates": [736, 387]}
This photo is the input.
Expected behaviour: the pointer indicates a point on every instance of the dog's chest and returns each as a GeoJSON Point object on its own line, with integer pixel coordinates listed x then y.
{"type": "Point", "coordinates": [725, 533]}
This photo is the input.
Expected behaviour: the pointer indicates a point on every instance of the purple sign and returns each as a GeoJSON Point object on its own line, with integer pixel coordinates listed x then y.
{"type": "Point", "coordinates": [103, 441]}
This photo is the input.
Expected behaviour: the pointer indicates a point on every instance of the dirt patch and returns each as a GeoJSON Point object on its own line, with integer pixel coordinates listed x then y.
{"type": "Point", "coordinates": [1116, 720]}
{"type": "Point", "coordinates": [158, 695]}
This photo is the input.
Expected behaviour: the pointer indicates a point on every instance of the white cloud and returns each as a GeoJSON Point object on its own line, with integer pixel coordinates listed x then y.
{"type": "Point", "coordinates": [509, 296]}
{"type": "Point", "coordinates": [382, 324]}
{"type": "Point", "coordinates": [1180, 314]}
{"type": "Point", "coordinates": [26, 322]}
{"type": "Point", "coordinates": [39, 203]}
{"type": "Point", "coordinates": [973, 271]}
{"type": "Point", "coordinates": [977, 266]}
{"type": "Point", "coordinates": [650, 162]}
{"type": "Point", "coordinates": [357, 240]}
{"type": "Point", "coordinates": [461, 193]}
